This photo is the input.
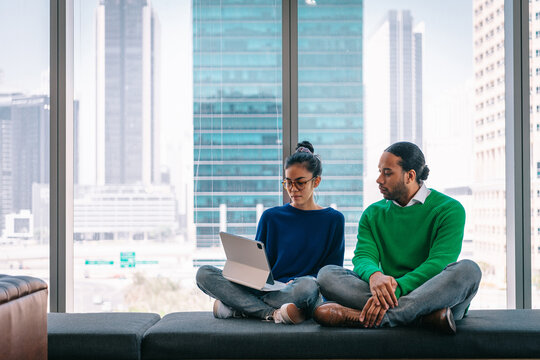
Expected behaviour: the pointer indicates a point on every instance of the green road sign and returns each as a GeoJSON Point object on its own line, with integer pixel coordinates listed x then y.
{"type": "Point", "coordinates": [127, 259]}
{"type": "Point", "coordinates": [98, 262]}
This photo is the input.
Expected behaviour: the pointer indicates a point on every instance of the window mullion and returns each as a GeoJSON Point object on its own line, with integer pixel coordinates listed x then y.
{"type": "Point", "coordinates": [518, 183]}
{"type": "Point", "coordinates": [289, 79]}
{"type": "Point", "coordinates": [61, 156]}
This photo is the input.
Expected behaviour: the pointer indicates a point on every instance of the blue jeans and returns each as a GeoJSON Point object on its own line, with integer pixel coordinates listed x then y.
{"type": "Point", "coordinates": [303, 292]}
{"type": "Point", "coordinates": [454, 287]}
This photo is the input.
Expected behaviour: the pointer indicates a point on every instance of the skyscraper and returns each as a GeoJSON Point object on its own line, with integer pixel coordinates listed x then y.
{"type": "Point", "coordinates": [127, 122]}
{"type": "Point", "coordinates": [24, 146]}
{"type": "Point", "coordinates": [30, 129]}
{"type": "Point", "coordinates": [396, 50]}
{"type": "Point", "coordinates": [238, 163]}
{"type": "Point", "coordinates": [6, 191]}
{"type": "Point", "coordinates": [331, 101]}
{"type": "Point", "coordinates": [237, 115]}
{"type": "Point", "coordinates": [394, 94]}
{"type": "Point", "coordinates": [489, 204]}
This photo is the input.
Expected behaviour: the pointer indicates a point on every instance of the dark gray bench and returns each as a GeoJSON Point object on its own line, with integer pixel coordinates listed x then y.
{"type": "Point", "coordinates": [104, 336]}
{"type": "Point", "coordinates": [492, 334]}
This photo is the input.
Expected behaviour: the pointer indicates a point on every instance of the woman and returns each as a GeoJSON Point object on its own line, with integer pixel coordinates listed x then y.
{"type": "Point", "coordinates": [300, 238]}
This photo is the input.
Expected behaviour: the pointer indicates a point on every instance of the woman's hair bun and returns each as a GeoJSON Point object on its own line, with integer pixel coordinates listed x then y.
{"type": "Point", "coordinates": [305, 155]}
{"type": "Point", "coordinates": [306, 145]}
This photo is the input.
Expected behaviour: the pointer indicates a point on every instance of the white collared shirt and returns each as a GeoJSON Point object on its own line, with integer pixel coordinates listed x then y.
{"type": "Point", "coordinates": [418, 198]}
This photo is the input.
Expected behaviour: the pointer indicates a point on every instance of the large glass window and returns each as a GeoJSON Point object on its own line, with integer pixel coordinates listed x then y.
{"type": "Point", "coordinates": [24, 138]}
{"type": "Point", "coordinates": [434, 75]}
{"type": "Point", "coordinates": [178, 130]}
{"type": "Point", "coordinates": [178, 136]}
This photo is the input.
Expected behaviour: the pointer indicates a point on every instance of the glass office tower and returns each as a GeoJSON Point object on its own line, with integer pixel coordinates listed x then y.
{"type": "Point", "coordinates": [238, 116]}
{"type": "Point", "coordinates": [330, 102]}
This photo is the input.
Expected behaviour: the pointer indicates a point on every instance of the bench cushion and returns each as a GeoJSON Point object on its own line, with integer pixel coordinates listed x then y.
{"type": "Point", "coordinates": [482, 334]}
{"type": "Point", "coordinates": [97, 335]}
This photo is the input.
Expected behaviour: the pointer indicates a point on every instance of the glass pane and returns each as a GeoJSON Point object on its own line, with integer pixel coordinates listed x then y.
{"type": "Point", "coordinates": [237, 119]}
{"type": "Point", "coordinates": [178, 137]}
{"type": "Point", "coordinates": [331, 102]}
{"type": "Point", "coordinates": [24, 138]}
{"type": "Point", "coordinates": [432, 75]}
{"type": "Point", "coordinates": [488, 206]}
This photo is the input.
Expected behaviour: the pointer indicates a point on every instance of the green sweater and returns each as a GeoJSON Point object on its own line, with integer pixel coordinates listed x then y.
{"type": "Point", "coordinates": [411, 244]}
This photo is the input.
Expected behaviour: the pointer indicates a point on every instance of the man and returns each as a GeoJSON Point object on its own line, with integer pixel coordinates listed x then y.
{"type": "Point", "coordinates": [404, 263]}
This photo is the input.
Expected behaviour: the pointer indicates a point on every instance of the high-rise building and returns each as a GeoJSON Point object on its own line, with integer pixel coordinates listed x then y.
{"type": "Point", "coordinates": [237, 116]}
{"type": "Point", "coordinates": [489, 206]}
{"type": "Point", "coordinates": [6, 191]}
{"type": "Point", "coordinates": [238, 165]}
{"type": "Point", "coordinates": [395, 51]}
{"type": "Point", "coordinates": [394, 91]}
{"type": "Point", "coordinates": [127, 74]}
{"type": "Point", "coordinates": [331, 102]}
{"type": "Point", "coordinates": [24, 146]}
{"type": "Point", "coordinates": [30, 129]}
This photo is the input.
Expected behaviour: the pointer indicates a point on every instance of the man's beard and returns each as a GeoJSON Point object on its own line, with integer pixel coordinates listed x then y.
{"type": "Point", "coordinates": [399, 192]}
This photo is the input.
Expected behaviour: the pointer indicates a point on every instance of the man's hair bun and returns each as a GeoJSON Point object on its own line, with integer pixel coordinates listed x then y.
{"type": "Point", "coordinates": [424, 174]}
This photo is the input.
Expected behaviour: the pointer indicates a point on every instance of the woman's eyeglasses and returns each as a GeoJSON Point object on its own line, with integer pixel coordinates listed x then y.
{"type": "Point", "coordinates": [288, 184]}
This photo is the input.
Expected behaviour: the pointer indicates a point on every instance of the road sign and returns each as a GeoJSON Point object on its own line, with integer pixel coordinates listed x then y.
{"type": "Point", "coordinates": [98, 262]}
{"type": "Point", "coordinates": [147, 262]}
{"type": "Point", "coordinates": [127, 259]}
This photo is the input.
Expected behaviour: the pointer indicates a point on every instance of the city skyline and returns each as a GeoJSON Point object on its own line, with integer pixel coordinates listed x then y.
{"type": "Point", "coordinates": [82, 156]}
{"type": "Point", "coordinates": [235, 124]}
{"type": "Point", "coordinates": [176, 33]}
{"type": "Point", "coordinates": [82, 125]}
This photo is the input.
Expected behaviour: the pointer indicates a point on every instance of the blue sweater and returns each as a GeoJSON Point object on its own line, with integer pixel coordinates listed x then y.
{"type": "Point", "coordinates": [300, 242]}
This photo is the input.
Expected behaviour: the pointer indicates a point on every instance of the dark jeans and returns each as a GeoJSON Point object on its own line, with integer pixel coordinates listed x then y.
{"type": "Point", "coordinates": [303, 292]}
{"type": "Point", "coordinates": [454, 287]}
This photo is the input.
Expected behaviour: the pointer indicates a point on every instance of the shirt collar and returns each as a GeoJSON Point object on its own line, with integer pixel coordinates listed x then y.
{"type": "Point", "coordinates": [418, 198]}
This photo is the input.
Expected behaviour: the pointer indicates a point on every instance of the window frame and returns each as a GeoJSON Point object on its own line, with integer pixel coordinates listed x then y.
{"type": "Point", "coordinates": [518, 177]}
{"type": "Point", "coordinates": [518, 182]}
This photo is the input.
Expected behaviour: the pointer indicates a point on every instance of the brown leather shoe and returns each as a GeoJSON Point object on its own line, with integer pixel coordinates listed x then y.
{"type": "Point", "coordinates": [441, 320]}
{"type": "Point", "coordinates": [333, 314]}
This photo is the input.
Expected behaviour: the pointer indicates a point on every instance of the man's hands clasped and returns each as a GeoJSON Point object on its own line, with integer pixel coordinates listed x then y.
{"type": "Point", "coordinates": [383, 290]}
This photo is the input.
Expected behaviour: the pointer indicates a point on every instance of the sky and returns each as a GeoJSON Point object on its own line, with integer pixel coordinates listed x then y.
{"type": "Point", "coordinates": [24, 59]}
{"type": "Point", "coordinates": [448, 36]}
{"type": "Point", "coordinates": [447, 84]}
{"type": "Point", "coordinates": [24, 40]}
{"type": "Point", "coordinates": [448, 52]}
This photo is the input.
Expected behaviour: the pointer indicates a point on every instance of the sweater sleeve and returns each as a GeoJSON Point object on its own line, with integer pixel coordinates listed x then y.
{"type": "Point", "coordinates": [262, 228]}
{"type": "Point", "coordinates": [366, 255]}
{"type": "Point", "coordinates": [444, 250]}
{"type": "Point", "coordinates": [336, 249]}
